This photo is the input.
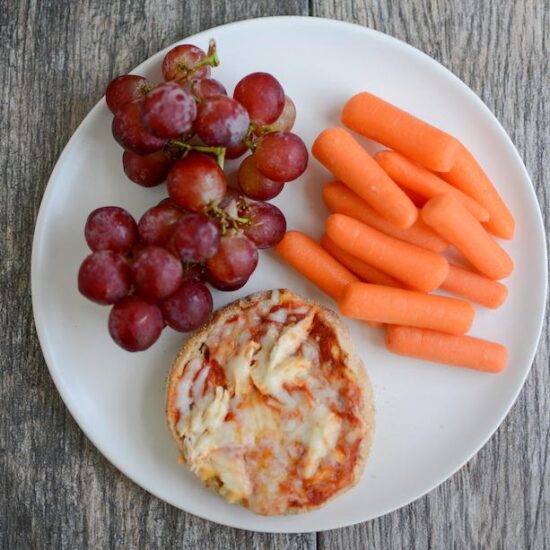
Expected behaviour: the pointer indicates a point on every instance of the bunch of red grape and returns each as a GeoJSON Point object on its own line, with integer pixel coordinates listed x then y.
{"type": "Point", "coordinates": [153, 272]}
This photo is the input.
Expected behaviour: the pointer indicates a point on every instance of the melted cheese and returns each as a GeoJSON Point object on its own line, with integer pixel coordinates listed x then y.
{"type": "Point", "coordinates": [270, 427]}
{"type": "Point", "coordinates": [275, 366]}
{"type": "Point", "coordinates": [237, 369]}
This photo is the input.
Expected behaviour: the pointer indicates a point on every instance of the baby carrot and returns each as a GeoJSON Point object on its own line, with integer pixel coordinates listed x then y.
{"type": "Point", "coordinates": [456, 225]}
{"type": "Point", "coordinates": [460, 351]}
{"type": "Point", "coordinates": [314, 263]}
{"type": "Point", "coordinates": [418, 200]}
{"type": "Point", "coordinates": [398, 306]}
{"type": "Point", "coordinates": [385, 123]}
{"type": "Point", "coordinates": [417, 267]}
{"type": "Point", "coordinates": [364, 271]}
{"type": "Point", "coordinates": [411, 176]}
{"type": "Point", "coordinates": [339, 152]}
{"type": "Point", "coordinates": [468, 176]}
{"type": "Point", "coordinates": [474, 287]}
{"type": "Point", "coordinates": [341, 200]}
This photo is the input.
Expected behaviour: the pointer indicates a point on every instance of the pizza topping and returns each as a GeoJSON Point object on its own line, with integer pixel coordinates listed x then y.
{"type": "Point", "coordinates": [287, 409]}
{"type": "Point", "coordinates": [238, 368]}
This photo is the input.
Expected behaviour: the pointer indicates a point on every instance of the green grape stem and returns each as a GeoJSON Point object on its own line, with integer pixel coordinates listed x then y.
{"type": "Point", "coordinates": [225, 219]}
{"type": "Point", "coordinates": [211, 59]}
{"type": "Point", "coordinates": [219, 152]}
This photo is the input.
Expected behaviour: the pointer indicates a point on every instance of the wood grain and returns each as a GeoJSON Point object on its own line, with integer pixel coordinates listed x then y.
{"type": "Point", "coordinates": [56, 489]}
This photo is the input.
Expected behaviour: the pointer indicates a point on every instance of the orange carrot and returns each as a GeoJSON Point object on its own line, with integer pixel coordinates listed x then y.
{"type": "Point", "coordinates": [341, 200]}
{"type": "Point", "coordinates": [468, 176]}
{"type": "Point", "coordinates": [418, 200]}
{"type": "Point", "coordinates": [456, 225]}
{"type": "Point", "coordinates": [385, 123]}
{"type": "Point", "coordinates": [364, 271]}
{"type": "Point", "coordinates": [398, 306]}
{"type": "Point", "coordinates": [474, 287]}
{"type": "Point", "coordinates": [460, 351]}
{"type": "Point", "coordinates": [339, 152]}
{"type": "Point", "coordinates": [314, 263]}
{"type": "Point", "coordinates": [417, 267]}
{"type": "Point", "coordinates": [411, 176]}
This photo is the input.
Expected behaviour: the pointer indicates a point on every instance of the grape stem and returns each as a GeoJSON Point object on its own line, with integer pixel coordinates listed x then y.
{"type": "Point", "coordinates": [218, 151]}
{"type": "Point", "coordinates": [211, 59]}
{"type": "Point", "coordinates": [225, 219]}
{"type": "Point", "coordinates": [249, 140]}
{"type": "Point", "coordinates": [251, 137]}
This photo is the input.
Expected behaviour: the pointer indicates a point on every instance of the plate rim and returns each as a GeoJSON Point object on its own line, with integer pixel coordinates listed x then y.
{"type": "Point", "coordinates": [49, 193]}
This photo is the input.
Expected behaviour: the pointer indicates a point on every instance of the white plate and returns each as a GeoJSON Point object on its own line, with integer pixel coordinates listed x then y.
{"type": "Point", "coordinates": [431, 418]}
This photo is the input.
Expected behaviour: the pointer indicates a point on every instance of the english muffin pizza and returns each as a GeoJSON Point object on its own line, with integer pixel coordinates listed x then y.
{"type": "Point", "coordinates": [270, 406]}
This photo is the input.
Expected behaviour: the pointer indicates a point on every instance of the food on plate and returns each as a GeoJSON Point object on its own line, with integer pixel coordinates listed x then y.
{"type": "Point", "coordinates": [416, 178]}
{"type": "Point", "coordinates": [313, 262]}
{"type": "Point", "coordinates": [417, 267]}
{"type": "Point", "coordinates": [339, 152]}
{"type": "Point", "coordinates": [468, 176]}
{"type": "Point", "coordinates": [455, 224]}
{"type": "Point", "coordinates": [375, 234]}
{"type": "Point", "coordinates": [475, 287]}
{"type": "Point", "coordinates": [221, 121]}
{"type": "Point", "coordinates": [181, 131]}
{"type": "Point", "coordinates": [263, 97]}
{"type": "Point", "coordinates": [169, 110]}
{"type": "Point", "coordinates": [270, 406]}
{"type": "Point", "coordinates": [110, 228]}
{"type": "Point", "coordinates": [418, 200]}
{"type": "Point", "coordinates": [286, 119]}
{"type": "Point", "coordinates": [135, 322]}
{"type": "Point", "coordinates": [398, 306]}
{"type": "Point", "coordinates": [281, 156]}
{"type": "Point", "coordinates": [149, 170]}
{"type": "Point", "coordinates": [363, 270]}
{"type": "Point", "coordinates": [385, 123]}
{"type": "Point", "coordinates": [462, 351]}
{"type": "Point", "coordinates": [254, 184]}
{"type": "Point", "coordinates": [104, 277]}
{"type": "Point", "coordinates": [125, 89]}
{"type": "Point", "coordinates": [339, 199]}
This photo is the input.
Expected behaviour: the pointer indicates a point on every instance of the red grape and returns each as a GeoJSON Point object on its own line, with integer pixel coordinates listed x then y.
{"type": "Point", "coordinates": [129, 132]}
{"type": "Point", "coordinates": [135, 323]}
{"type": "Point", "coordinates": [193, 272]}
{"type": "Point", "coordinates": [281, 156]}
{"type": "Point", "coordinates": [221, 121]}
{"type": "Point", "coordinates": [286, 119]}
{"type": "Point", "coordinates": [236, 151]}
{"type": "Point", "coordinates": [179, 61]}
{"type": "Point", "coordinates": [254, 184]}
{"type": "Point", "coordinates": [169, 110]}
{"type": "Point", "coordinates": [104, 277]}
{"type": "Point", "coordinates": [196, 181]}
{"type": "Point", "coordinates": [156, 273]}
{"type": "Point", "coordinates": [189, 307]}
{"type": "Point", "coordinates": [148, 170]}
{"type": "Point", "coordinates": [156, 225]}
{"type": "Point", "coordinates": [267, 224]}
{"type": "Point", "coordinates": [124, 89]}
{"type": "Point", "coordinates": [195, 238]}
{"type": "Point", "coordinates": [234, 261]}
{"type": "Point", "coordinates": [206, 87]}
{"type": "Point", "coordinates": [226, 287]}
{"type": "Point", "coordinates": [262, 96]}
{"type": "Point", "coordinates": [110, 228]}
{"type": "Point", "coordinates": [170, 202]}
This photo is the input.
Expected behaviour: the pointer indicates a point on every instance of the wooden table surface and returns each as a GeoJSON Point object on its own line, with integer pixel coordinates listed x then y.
{"type": "Point", "coordinates": [56, 489]}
